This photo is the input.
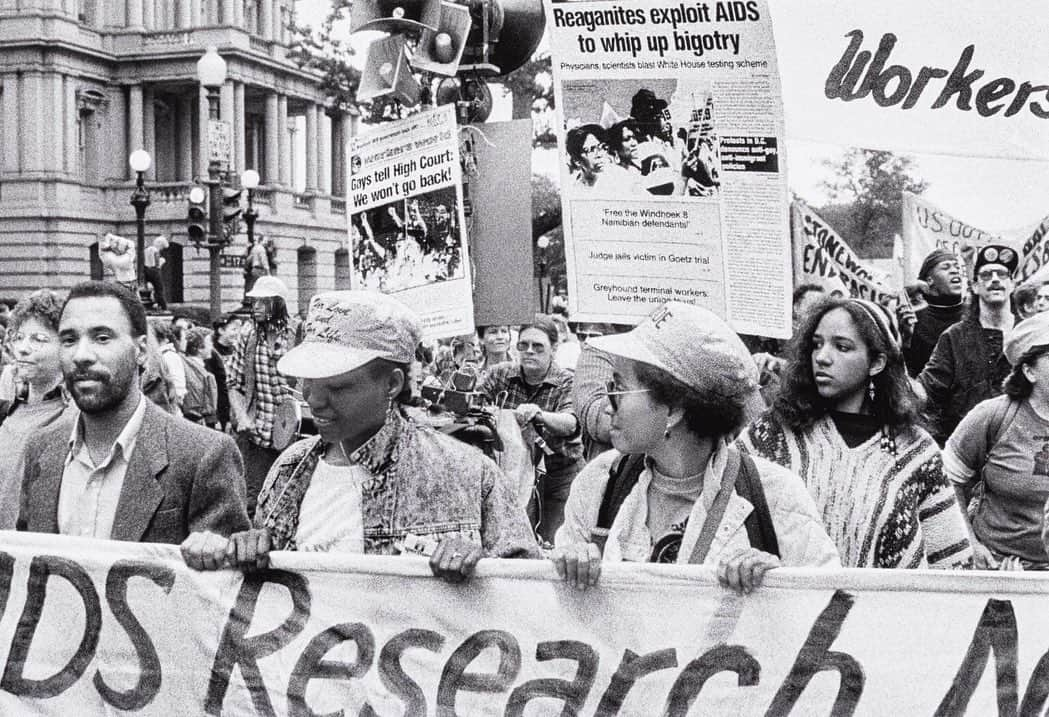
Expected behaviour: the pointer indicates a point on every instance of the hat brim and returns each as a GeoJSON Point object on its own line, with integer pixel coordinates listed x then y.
{"type": "Point", "coordinates": [627, 346]}
{"type": "Point", "coordinates": [319, 360]}
{"type": "Point", "coordinates": [263, 294]}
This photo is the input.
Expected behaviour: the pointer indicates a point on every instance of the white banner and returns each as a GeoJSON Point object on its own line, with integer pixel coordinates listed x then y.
{"type": "Point", "coordinates": [96, 628]}
{"type": "Point", "coordinates": [927, 227]}
{"type": "Point", "coordinates": [968, 78]}
{"type": "Point", "coordinates": [407, 226]}
{"type": "Point", "coordinates": [822, 256]}
{"type": "Point", "coordinates": [672, 172]}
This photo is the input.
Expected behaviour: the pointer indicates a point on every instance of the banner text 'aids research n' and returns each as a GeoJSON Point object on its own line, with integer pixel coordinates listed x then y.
{"type": "Point", "coordinates": [100, 628]}
{"type": "Point", "coordinates": [407, 225]}
{"type": "Point", "coordinates": [673, 183]}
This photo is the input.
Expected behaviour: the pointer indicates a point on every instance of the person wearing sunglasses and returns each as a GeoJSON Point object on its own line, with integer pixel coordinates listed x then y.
{"type": "Point", "coordinates": [968, 365]}
{"type": "Point", "coordinates": [539, 391]}
{"type": "Point", "coordinates": [674, 488]}
{"type": "Point", "coordinates": [33, 339]}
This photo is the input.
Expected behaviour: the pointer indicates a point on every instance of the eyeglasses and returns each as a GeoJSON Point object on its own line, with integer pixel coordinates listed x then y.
{"type": "Point", "coordinates": [38, 340]}
{"type": "Point", "coordinates": [535, 347]}
{"type": "Point", "coordinates": [595, 148]}
{"type": "Point", "coordinates": [613, 393]}
{"type": "Point", "coordinates": [988, 274]}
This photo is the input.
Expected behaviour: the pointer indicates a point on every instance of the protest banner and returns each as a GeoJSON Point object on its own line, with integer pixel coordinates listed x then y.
{"type": "Point", "coordinates": [407, 227]}
{"type": "Point", "coordinates": [672, 175]}
{"type": "Point", "coordinates": [822, 256]}
{"type": "Point", "coordinates": [936, 77]}
{"type": "Point", "coordinates": [95, 627]}
{"type": "Point", "coordinates": [927, 227]}
{"type": "Point", "coordinates": [1034, 255]}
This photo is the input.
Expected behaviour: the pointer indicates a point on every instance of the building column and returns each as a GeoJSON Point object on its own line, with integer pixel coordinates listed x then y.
{"type": "Point", "coordinates": [323, 151]}
{"type": "Point", "coordinates": [53, 133]}
{"type": "Point", "coordinates": [285, 140]}
{"type": "Point", "coordinates": [293, 156]}
{"type": "Point", "coordinates": [134, 13]}
{"type": "Point", "coordinates": [185, 138]}
{"type": "Point", "coordinates": [184, 18]}
{"type": "Point", "coordinates": [32, 122]}
{"type": "Point", "coordinates": [238, 14]}
{"type": "Point", "coordinates": [311, 148]}
{"type": "Point", "coordinates": [278, 21]}
{"type": "Point", "coordinates": [70, 117]}
{"type": "Point", "coordinates": [271, 175]}
{"type": "Point", "coordinates": [11, 150]}
{"type": "Point", "coordinates": [266, 20]}
{"type": "Point", "coordinates": [239, 129]}
{"type": "Point", "coordinates": [226, 113]}
{"type": "Point", "coordinates": [347, 129]}
{"type": "Point", "coordinates": [227, 12]}
{"type": "Point", "coordinates": [135, 138]}
{"type": "Point", "coordinates": [149, 14]}
{"type": "Point", "coordinates": [149, 131]}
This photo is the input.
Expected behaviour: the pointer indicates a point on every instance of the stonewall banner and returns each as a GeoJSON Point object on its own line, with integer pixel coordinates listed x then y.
{"type": "Point", "coordinates": [822, 257]}
{"type": "Point", "coordinates": [407, 234]}
{"type": "Point", "coordinates": [967, 78]}
{"type": "Point", "coordinates": [672, 171]}
{"type": "Point", "coordinates": [100, 628]}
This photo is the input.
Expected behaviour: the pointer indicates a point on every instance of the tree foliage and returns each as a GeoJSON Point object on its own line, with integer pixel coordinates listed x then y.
{"type": "Point", "coordinates": [866, 193]}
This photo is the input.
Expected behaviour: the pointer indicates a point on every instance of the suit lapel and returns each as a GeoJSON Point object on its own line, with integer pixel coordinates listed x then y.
{"type": "Point", "coordinates": [51, 465]}
{"type": "Point", "coordinates": [142, 493]}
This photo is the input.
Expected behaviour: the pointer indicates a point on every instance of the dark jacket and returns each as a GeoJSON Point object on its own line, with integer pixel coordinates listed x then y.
{"type": "Point", "coordinates": [181, 478]}
{"type": "Point", "coordinates": [932, 321]}
{"type": "Point", "coordinates": [966, 367]}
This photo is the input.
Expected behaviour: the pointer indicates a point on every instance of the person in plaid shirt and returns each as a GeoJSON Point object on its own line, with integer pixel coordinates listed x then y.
{"type": "Point", "coordinates": [256, 387]}
{"type": "Point", "coordinates": [540, 393]}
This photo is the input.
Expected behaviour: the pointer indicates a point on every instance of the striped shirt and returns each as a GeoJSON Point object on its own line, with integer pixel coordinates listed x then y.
{"type": "Point", "coordinates": [881, 511]}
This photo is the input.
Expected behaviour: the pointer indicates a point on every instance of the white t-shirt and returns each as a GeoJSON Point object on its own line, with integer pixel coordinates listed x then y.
{"type": "Point", "coordinates": [330, 517]}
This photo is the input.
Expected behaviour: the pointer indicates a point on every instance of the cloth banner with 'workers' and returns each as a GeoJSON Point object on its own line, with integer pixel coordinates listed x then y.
{"type": "Point", "coordinates": [94, 628]}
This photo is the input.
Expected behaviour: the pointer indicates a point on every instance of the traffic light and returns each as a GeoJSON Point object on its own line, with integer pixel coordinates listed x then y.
{"type": "Point", "coordinates": [386, 73]}
{"type": "Point", "coordinates": [440, 50]}
{"type": "Point", "coordinates": [230, 204]}
{"type": "Point", "coordinates": [197, 220]}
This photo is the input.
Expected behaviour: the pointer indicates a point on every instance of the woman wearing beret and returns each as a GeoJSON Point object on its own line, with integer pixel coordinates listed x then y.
{"type": "Point", "coordinates": [845, 420]}
{"type": "Point", "coordinates": [1000, 452]}
{"type": "Point", "coordinates": [675, 489]}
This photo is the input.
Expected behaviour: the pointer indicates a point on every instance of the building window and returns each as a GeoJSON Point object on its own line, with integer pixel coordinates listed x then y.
{"type": "Point", "coordinates": [91, 106]}
{"type": "Point", "coordinates": [87, 12]}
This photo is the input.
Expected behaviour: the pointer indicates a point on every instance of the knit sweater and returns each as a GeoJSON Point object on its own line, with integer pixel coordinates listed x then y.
{"type": "Point", "coordinates": [881, 511]}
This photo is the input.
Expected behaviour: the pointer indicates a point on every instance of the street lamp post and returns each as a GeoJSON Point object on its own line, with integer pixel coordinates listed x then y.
{"type": "Point", "coordinates": [249, 180]}
{"type": "Point", "coordinates": [211, 72]}
{"type": "Point", "coordinates": [140, 162]}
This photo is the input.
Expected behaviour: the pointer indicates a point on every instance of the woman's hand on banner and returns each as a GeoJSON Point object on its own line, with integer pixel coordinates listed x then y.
{"type": "Point", "coordinates": [455, 559]}
{"type": "Point", "coordinates": [205, 551]}
{"type": "Point", "coordinates": [743, 571]}
{"type": "Point", "coordinates": [579, 565]}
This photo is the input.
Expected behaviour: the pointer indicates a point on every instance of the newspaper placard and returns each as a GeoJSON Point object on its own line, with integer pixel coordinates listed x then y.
{"type": "Point", "coordinates": [822, 256]}
{"type": "Point", "coordinates": [407, 235]}
{"type": "Point", "coordinates": [967, 78]}
{"type": "Point", "coordinates": [672, 172]}
{"type": "Point", "coordinates": [91, 627]}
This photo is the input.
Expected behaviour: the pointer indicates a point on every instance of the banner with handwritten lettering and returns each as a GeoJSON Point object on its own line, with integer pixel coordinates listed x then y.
{"type": "Point", "coordinates": [95, 628]}
{"type": "Point", "coordinates": [823, 257]}
{"type": "Point", "coordinates": [968, 78]}
{"type": "Point", "coordinates": [406, 227]}
{"type": "Point", "coordinates": [927, 227]}
{"type": "Point", "coordinates": [673, 185]}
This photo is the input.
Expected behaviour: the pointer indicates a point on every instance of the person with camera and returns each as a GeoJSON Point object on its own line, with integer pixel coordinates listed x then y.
{"type": "Point", "coordinates": [539, 391]}
{"type": "Point", "coordinates": [373, 481]}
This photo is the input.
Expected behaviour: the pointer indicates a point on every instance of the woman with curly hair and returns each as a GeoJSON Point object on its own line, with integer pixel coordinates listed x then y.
{"type": "Point", "coordinates": [845, 420]}
{"type": "Point", "coordinates": [33, 337]}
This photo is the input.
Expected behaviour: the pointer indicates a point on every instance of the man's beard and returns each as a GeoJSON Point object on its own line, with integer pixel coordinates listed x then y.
{"type": "Point", "coordinates": [102, 400]}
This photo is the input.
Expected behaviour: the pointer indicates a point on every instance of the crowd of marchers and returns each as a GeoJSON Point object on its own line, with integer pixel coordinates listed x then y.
{"type": "Point", "coordinates": [909, 436]}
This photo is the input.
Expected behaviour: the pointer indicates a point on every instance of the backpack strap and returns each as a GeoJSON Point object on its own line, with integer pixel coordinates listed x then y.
{"type": "Point", "coordinates": [760, 531]}
{"type": "Point", "coordinates": [1003, 415]}
{"type": "Point", "coordinates": [622, 477]}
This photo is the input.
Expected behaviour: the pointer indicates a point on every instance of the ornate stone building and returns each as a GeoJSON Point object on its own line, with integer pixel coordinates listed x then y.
{"type": "Point", "coordinates": [83, 83]}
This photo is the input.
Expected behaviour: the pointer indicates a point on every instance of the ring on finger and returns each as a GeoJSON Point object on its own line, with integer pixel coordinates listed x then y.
{"type": "Point", "coordinates": [456, 555]}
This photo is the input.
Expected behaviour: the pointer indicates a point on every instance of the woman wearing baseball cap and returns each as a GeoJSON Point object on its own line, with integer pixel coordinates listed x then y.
{"type": "Point", "coordinates": [674, 489]}
{"type": "Point", "coordinates": [1000, 451]}
{"type": "Point", "coordinates": [846, 421]}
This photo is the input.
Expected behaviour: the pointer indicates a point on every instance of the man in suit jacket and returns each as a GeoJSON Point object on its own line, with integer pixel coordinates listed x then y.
{"type": "Point", "coordinates": [122, 469]}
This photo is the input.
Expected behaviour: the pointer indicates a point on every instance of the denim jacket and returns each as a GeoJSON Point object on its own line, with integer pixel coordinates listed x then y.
{"type": "Point", "coordinates": [422, 482]}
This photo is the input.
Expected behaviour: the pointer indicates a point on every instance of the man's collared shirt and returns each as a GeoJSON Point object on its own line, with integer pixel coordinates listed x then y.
{"type": "Point", "coordinates": [252, 371]}
{"type": "Point", "coordinates": [87, 501]}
